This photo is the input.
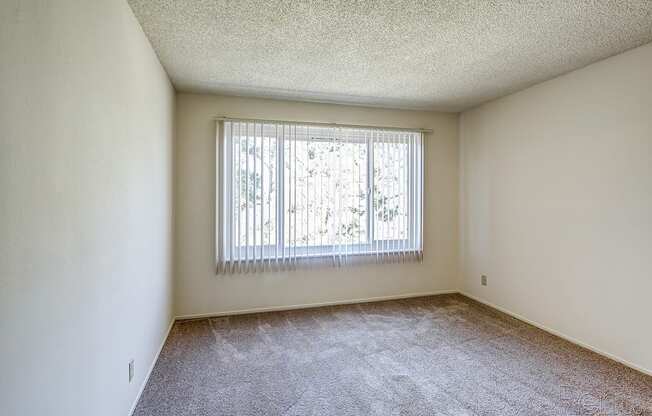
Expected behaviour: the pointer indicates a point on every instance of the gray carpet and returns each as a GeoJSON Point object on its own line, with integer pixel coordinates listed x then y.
{"type": "Point", "coordinates": [439, 355]}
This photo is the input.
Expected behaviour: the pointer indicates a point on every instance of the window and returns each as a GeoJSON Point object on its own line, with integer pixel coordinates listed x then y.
{"type": "Point", "coordinates": [292, 193]}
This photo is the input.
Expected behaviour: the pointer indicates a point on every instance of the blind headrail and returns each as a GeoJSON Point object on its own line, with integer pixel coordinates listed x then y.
{"type": "Point", "coordinates": [313, 123]}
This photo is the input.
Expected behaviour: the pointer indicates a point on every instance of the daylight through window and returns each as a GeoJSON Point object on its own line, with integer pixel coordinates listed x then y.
{"type": "Point", "coordinates": [299, 193]}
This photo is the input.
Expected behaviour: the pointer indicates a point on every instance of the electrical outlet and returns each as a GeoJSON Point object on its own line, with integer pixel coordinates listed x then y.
{"type": "Point", "coordinates": [131, 370]}
{"type": "Point", "coordinates": [483, 280]}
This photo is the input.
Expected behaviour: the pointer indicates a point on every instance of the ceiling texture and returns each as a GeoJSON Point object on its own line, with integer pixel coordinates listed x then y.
{"type": "Point", "coordinates": [446, 55]}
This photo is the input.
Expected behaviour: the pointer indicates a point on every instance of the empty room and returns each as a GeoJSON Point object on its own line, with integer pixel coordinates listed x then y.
{"type": "Point", "coordinates": [349, 207]}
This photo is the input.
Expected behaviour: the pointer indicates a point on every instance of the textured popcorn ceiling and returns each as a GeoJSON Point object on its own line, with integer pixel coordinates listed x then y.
{"type": "Point", "coordinates": [444, 55]}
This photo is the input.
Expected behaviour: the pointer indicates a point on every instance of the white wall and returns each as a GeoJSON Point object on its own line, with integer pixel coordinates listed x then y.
{"type": "Point", "coordinates": [200, 291]}
{"type": "Point", "coordinates": [86, 125]}
{"type": "Point", "coordinates": [557, 204]}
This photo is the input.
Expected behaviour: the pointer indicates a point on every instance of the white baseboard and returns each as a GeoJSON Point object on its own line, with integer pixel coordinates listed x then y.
{"type": "Point", "coordinates": [560, 335]}
{"type": "Point", "coordinates": [313, 305]}
{"type": "Point", "coordinates": [151, 368]}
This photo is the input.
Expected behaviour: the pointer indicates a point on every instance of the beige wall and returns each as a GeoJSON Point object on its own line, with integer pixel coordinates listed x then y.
{"type": "Point", "coordinates": [86, 124]}
{"type": "Point", "coordinates": [557, 204]}
{"type": "Point", "coordinates": [200, 291]}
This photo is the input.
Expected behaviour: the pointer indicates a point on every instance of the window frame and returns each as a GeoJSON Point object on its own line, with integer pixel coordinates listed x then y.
{"type": "Point", "coordinates": [271, 251]}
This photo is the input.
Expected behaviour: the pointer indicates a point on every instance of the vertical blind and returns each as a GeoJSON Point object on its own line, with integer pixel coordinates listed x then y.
{"type": "Point", "coordinates": [293, 194]}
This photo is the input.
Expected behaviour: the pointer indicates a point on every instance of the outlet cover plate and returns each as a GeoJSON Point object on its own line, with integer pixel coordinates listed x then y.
{"type": "Point", "coordinates": [131, 370]}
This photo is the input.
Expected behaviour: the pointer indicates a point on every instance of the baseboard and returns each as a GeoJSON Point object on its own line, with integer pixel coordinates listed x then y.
{"type": "Point", "coordinates": [560, 335]}
{"type": "Point", "coordinates": [151, 368]}
{"type": "Point", "coordinates": [313, 305]}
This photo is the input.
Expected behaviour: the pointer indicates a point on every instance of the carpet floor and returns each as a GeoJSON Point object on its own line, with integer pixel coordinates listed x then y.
{"type": "Point", "coordinates": [437, 355]}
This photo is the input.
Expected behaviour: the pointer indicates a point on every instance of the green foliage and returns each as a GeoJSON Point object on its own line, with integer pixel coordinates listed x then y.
{"type": "Point", "coordinates": [313, 162]}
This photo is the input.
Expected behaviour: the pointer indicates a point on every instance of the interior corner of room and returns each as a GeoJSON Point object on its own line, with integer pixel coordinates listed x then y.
{"type": "Point", "coordinates": [532, 220]}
